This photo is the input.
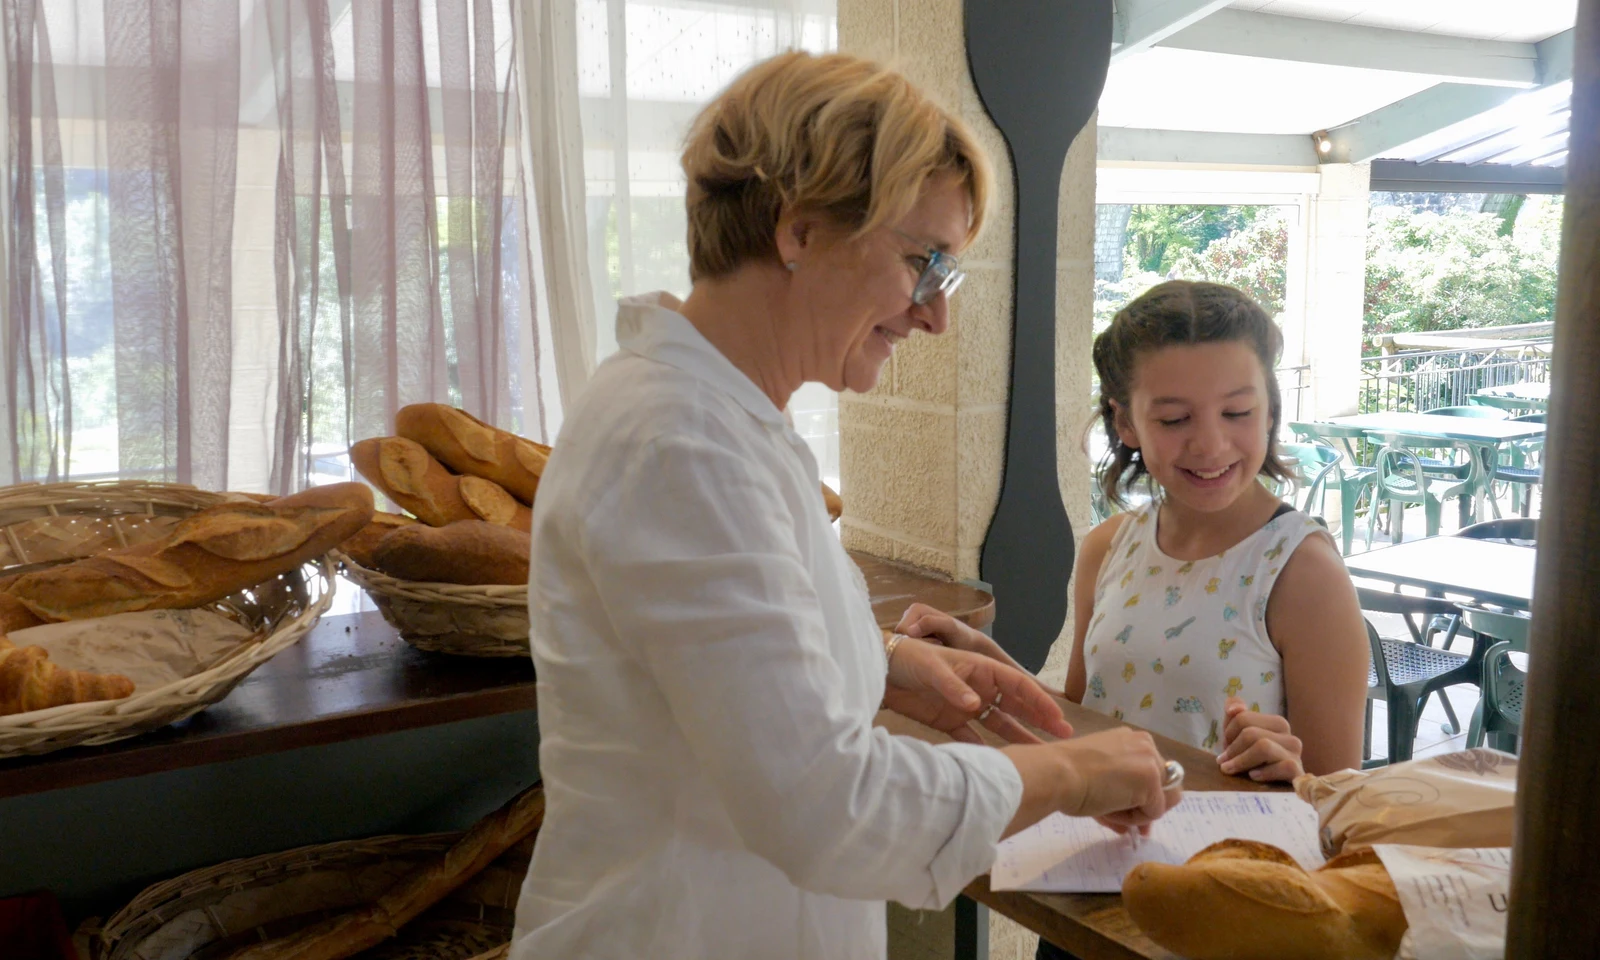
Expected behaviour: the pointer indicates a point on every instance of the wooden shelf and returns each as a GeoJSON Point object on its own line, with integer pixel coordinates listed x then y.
{"type": "Point", "coordinates": [352, 677]}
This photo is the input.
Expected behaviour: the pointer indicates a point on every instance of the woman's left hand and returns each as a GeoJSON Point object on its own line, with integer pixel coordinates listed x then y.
{"type": "Point", "coordinates": [1258, 743]}
{"type": "Point", "coordinates": [946, 688]}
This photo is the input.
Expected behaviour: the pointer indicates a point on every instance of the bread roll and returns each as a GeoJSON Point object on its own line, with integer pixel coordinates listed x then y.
{"type": "Point", "coordinates": [1242, 900]}
{"type": "Point", "coordinates": [30, 681]}
{"type": "Point", "coordinates": [361, 546]}
{"type": "Point", "coordinates": [833, 502]}
{"type": "Point", "coordinates": [412, 478]}
{"type": "Point", "coordinates": [466, 444]}
{"type": "Point", "coordinates": [207, 556]}
{"type": "Point", "coordinates": [469, 551]}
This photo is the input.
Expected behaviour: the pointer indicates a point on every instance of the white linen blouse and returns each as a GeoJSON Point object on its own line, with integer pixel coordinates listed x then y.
{"type": "Point", "coordinates": [708, 672]}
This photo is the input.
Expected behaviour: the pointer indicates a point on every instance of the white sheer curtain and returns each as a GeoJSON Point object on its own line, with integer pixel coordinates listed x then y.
{"type": "Point", "coordinates": [239, 233]}
{"type": "Point", "coordinates": [645, 68]}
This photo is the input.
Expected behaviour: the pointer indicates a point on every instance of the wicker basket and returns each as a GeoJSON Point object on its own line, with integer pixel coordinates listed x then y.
{"type": "Point", "coordinates": [472, 621]}
{"type": "Point", "coordinates": [211, 912]}
{"type": "Point", "coordinates": [42, 524]}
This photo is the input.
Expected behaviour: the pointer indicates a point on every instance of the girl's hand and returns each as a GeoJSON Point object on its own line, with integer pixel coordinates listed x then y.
{"type": "Point", "coordinates": [936, 626]}
{"type": "Point", "coordinates": [946, 688]}
{"type": "Point", "coordinates": [1258, 743]}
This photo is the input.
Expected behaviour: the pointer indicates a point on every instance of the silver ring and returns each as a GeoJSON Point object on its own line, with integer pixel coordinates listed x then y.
{"type": "Point", "coordinates": [990, 708]}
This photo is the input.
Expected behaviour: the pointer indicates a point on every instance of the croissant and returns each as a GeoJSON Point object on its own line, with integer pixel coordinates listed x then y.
{"type": "Point", "coordinates": [30, 681]}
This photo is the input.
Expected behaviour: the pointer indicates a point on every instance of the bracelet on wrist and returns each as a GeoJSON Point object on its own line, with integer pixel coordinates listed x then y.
{"type": "Point", "coordinates": [889, 648]}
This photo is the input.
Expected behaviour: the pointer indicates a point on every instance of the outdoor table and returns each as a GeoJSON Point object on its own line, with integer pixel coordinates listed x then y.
{"type": "Point", "coordinates": [1091, 926]}
{"type": "Point", "coordinates": [1484, 436]}
{"type": "Point", "coordinates": [1515, 397]}
{"type": "Point", "coordinates": [1487, 571]}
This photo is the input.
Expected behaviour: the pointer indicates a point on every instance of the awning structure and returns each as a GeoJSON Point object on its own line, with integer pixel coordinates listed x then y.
{"type": "Point", "coordinates": [1438, 94]}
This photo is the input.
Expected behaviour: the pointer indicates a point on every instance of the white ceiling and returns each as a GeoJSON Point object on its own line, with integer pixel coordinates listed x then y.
{"type": "Point", "coordinates": [1167, 89]}
{"type": "Point", "coordinates": [1520, 21]}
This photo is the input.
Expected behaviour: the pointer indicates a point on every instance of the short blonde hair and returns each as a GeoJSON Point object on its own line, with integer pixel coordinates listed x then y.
{"type": "Point", "coordinates": [838, 135]}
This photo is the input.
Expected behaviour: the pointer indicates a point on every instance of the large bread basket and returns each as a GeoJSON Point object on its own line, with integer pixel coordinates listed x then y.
{"type": "Point", "coordinates": [211, 912]}
{"type": "Point", "coordinates": [471, 621]}
{"type": "Point", "coordinates": [50, 523]}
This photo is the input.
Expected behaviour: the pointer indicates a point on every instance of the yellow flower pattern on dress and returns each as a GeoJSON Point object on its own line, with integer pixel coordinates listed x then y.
{"type": "Point", "coordinates": [1194, 604]}
{"type": "Point", "coordinates": [1277, 549]}
{"type": "Point", "coordinates": [1117, 714]}
{"type": "Point", "coordinates": [1210, 741]}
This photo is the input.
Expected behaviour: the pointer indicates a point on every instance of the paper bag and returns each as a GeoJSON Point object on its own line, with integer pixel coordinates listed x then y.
{"type": "Point", "coordinates": [1455, 901]}
{"type": "Point", "coordinates": [1460, 799]}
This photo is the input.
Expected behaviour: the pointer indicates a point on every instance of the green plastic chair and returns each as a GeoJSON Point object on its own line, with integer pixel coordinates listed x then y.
{"type": "Point", "coordinates": [1519, 467]}
{"type": "Point", "coordinates": [1352, 478]}
{"type": "Point", "coordinates": [1405, 673]}
{"type": "Point", "coordinates": [1404, 478]}
{"type": "Point", "coordinates": [1498, 719]}
{"type": "Point", "coordinates": [1477, 412]}
{"type": "Point", "coordinates": [1313, 464]}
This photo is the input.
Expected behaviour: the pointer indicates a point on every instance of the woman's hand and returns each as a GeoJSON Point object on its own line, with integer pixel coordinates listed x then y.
{"type": "Point", "coordinates": [1114, 776]}
{"type": "Point", "coordinates": [936, 626]}
{"type": "Point", "coordinates": [1258, 743]}
{"type": "Point", "coordinates": [946, 688]}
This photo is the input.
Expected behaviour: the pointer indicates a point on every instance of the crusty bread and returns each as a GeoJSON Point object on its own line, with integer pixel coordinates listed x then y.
{"type": "Point", "coordinates": [361, 545]}
{"type": "Point", "coordinates": [469, 551]}
{"type": "Point", "coordinates": [1242, 900]}
{"type": "Point", "coordinates": [412, 478]}
{"type": "Point", "coordinates": [363, 928]}
{"type": "Point", "coordinates": [490, 501]}
{"type": "Point", "coordinates": [209, 555]}
{"type": "Point", "coordinates": [833, 502]}
{"type": "Point", "coordinates": [467, 445]}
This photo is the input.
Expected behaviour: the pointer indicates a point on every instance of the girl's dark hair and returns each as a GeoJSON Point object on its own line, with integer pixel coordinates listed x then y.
{"type": "Point", "coordinates": [1176, 313]}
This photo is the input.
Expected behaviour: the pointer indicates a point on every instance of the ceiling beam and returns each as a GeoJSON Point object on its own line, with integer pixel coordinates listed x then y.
{"type": "Point", "coordinates": [1139, 24]}
{"type": "Point", "coordinates": [1402, 176]}
{"type": "Point", "coordinates": [1378, 133]}
{"type": "Point", "coordinates": [1248, 34]}
{"type": "Point", "coordinates": [1133, 145]}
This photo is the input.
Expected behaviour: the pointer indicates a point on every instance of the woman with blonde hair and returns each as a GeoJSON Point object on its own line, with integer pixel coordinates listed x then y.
{"type": "Point", "coordinates": [709, 664]}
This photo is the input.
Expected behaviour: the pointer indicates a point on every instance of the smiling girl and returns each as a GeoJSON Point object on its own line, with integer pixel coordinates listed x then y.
{"type": "Point", "coordinates": [1216, 614]}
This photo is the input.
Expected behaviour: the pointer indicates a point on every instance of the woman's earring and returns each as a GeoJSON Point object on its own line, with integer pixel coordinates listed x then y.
{"type": "Point", "coordinates": [793, 265]}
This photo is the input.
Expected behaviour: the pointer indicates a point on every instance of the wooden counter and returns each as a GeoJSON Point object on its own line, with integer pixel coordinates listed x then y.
{"type": "Point", "coordinates": [352, 677]}
{"type": "Point", "coordinates": [1092, 926]}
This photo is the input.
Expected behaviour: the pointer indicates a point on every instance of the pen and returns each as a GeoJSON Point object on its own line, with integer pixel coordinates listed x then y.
{"type": "Point", "coordinates": [1173, 778]}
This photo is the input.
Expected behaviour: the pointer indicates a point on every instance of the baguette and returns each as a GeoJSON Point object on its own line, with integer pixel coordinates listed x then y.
{"type": "Point", "coordinates": [29, 680]}
{"type": "Point", "coordinates": [1242, 900]}
{"type": "Point", "coordinates": [466, 444]}
{"type": "Point", "coordinates": [412, 478]}
{"type": "Point", "coordinates": [469, 552]}
{"type": "Point", "coordinates": [361, 545]}
{"type": "Point", "coordinates": [207, 556]}
{"type": "Point", "coordinates": [366, 927]}
{"type": "Point", "coordinates": [490, 501]}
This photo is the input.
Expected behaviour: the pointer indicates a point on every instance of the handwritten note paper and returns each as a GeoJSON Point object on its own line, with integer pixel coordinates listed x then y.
{"type": "Point", "coordinates": [1063, 854]}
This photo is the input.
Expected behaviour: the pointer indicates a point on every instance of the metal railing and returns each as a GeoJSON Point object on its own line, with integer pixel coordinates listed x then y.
{"type": "Point", "coordinates": [1425, 379]}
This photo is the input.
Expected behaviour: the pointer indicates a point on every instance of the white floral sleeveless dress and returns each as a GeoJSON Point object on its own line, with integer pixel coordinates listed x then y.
{"type": "Point", "coordinates": [1171, 640]}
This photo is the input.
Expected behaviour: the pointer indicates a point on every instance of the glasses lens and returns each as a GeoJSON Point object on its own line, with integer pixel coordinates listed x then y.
{"type": "Point", "coordinates": [940, 275]}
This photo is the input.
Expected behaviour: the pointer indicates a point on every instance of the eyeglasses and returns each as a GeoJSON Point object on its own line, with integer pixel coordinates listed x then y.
{"type": "Point", "coordinates": [941, 274]}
